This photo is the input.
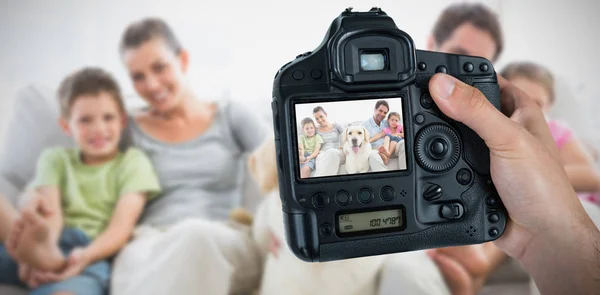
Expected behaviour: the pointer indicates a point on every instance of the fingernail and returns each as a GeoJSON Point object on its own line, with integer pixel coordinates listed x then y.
{"type": "Point", "coordinates": [445, 86]}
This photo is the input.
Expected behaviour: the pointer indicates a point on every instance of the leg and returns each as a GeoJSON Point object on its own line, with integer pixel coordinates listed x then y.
{"type": "Point", "coordinates": [217, 258]}
{"type": "Point", "coordinates": [413, 273]}
{"type": "Point", "coordinates": [328, 163]}
{"type": "Point", "coordinates": [399, 152]}
{"type": "Point", "coordinates": [376, 162]}
{"type": "Point", "coordinates": [8, 215]}
{"type": "Point", "coordinates": [30, 242]}
{"type": "Point", "coordinates": [9, 269]}
{"type": "Point", "coordinates": [392, 148]}
{"type": "Point", "coordinates": [94, 280]}
{"type": "Point", "coordinates": [305, 172]}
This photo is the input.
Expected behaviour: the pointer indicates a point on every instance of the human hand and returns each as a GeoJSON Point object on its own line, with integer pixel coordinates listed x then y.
{"type": "Point", "coordinates": [77, 261]}
{"type": "Point", "coordinates": [524, 163]}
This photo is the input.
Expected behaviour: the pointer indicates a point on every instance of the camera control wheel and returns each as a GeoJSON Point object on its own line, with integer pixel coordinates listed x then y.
{"type": "Point", "coordinates": [437, 148]}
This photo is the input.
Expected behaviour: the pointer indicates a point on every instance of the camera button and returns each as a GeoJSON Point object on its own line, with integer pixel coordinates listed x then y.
{"type": "Point", "coordinates": [463, 176]}
{"type": "Point", "coordinates": [468, 67]}
{"type": "Point", "coordinates": [316, 74]}
{"type": "Point", "coordinates": [342, 198]}
{"type": "Point", "coordinates": [365, 195]}
{"type": "Point", "coordinates": [484, 67]}
{"type": "Point", "coordinates": [419, 119]}
{"type": "Point", "coordinates": [493, 232]}
{"type": "Point", "coordinates": [441, 69]}
{"type": "Point", "coordinates": [298, 75]}
{"type": "Point", "coordinates": [438, 148]}
{"type": "Point", "coordinates": [492, 201]}
{"type": "Point", "coordinates": [422, 66]}
{"type": "Point", "coordinates": [320, 200]}
{"type": "Point", "coordinates": [493, 218]}
{"type": "Point", "coordinates": [387, 193]}
{"type": "Point", "coordinates": [452, 211]}
{"type": "Point", "coordinates": [326, 229]}
{"type": "Point", "coordinates": [432, 191]}
{"type": "Point", "coordinates": [426, 101]}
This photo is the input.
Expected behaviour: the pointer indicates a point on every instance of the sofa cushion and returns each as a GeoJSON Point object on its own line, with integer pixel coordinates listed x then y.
{"type": "Point", "coordinates": [32, 127]}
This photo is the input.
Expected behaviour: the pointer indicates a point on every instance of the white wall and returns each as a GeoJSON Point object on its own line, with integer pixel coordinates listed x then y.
{"type": "Point", "coordinates": [237, 46]}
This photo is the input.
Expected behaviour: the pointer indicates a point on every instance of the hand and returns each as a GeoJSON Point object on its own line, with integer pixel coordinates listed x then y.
{"type": "Point", "coordinates": [524, 162]}
{"type": "Point", "coordinates": [37, 203]}
{"type": "Point", "coordinates": [76, 263]}
{"type": "Point", "coordinates": [302, 159]}
{"type": "Point", "coordinates": [464, 268]}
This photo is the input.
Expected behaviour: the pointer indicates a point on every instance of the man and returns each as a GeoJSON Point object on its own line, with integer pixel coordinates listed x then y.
{"type": "Point", "coordinates": [467, 29]}
{"type": "Point", "coordinates": [375, 125]}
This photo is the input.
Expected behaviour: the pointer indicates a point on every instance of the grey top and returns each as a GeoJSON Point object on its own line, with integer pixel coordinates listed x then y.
{"type": "Point", "coordinates": [331, 139]}
{"type": "Point", "coordinates": [202, 177]}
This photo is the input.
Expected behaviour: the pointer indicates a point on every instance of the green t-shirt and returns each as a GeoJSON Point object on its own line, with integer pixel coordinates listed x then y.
{"type": "Point", "coordinates": [89, 194]}
{"type": "Point", "coordinates": [310, 144]}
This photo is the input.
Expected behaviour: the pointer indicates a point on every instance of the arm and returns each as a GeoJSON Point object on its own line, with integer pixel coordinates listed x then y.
{"type": "Point", "coordinates": [315, 152]}
{"type": "Point", "coordinates": [301, 151]}
{"type": "Point", "coordinates": [50, 197]}
{"type": "Point", "coordinates": [579, 167]}
{"type": "Point", "coordinates": [377, 136]}
{"type": "Point", "coordinates": [119, 230]}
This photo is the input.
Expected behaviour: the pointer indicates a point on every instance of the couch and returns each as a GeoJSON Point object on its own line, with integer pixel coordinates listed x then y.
{"type": "Point", "coordinates": [33, 126]}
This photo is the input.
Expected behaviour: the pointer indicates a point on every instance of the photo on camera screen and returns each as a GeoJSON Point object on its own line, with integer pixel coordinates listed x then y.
{"type": "Point", "coordinates": [350, 137]}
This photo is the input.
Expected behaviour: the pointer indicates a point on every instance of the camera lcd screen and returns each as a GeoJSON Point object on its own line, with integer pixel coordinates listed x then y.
{"type": "Point", "coordinates": [350, 137]}
{"type": "Point", "coordinates": [370, 221]}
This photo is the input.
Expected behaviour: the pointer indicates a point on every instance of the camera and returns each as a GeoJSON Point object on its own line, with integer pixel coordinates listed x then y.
{"type": "Point", "coordinates": [404, 176]}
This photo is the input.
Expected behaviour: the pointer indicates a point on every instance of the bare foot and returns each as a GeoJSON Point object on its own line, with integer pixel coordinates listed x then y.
{"type": "Point", "coordinates": [384, 158]}
{"type": "Point", "coordinates": [33, 243]}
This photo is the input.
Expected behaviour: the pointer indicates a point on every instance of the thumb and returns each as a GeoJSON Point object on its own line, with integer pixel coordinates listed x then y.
{"type": "Point", "coordinates": [468, 105]}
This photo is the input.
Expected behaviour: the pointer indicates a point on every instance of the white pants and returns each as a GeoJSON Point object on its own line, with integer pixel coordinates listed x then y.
{"type": "Point", "coordinates": [376, 162]}
{"type": "Point", "coordinates": [328, 162]}
{"type": "Point", "coordinates": [411, 273]}
{"type": "Point", "coordinates": [192, 257]}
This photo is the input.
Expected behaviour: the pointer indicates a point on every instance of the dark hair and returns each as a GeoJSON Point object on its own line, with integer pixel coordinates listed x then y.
{"type": "Point", "coordinates": [474, 13]}
{"type": "Point", "coordinates": [87, 81]}
{"type": "Point", "coordinates": [394, 114]}
{"type": "Point", "coordinates": [147, 29]}
{"type": "Point", "coordinates": [307, 120]}
{"type": "Point", "coordinates": [531, 71]}
{"type": "Point", "coordinates": [319, 109]}
{"type": "Point", "coordinates": [382, 102]}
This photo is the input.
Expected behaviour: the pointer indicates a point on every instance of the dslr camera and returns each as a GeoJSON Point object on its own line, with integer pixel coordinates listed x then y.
{"type": "Point", "coordinates": [367, 163]}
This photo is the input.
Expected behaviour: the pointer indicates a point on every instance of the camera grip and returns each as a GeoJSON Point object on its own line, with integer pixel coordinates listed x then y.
{"type": "Point", "coordinates": [476, 153]}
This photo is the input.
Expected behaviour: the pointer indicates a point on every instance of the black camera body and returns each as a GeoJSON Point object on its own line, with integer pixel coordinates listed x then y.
{"type": "Point", "coordinates": [443, 194]}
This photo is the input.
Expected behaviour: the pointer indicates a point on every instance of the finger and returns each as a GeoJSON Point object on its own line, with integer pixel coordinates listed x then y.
{"type": "Point", "coordinates": [44, 207]}
{"type": "Point", "coordinates": [32, 217]}
{"type": "Point", "coordinates": [468, 105]}
{"type": "Point", "coordinates": [24, 272]}
{"type": "Point", "coordinates": [12, 241]}
{"type": "Point", "coordinates": [455, 275]}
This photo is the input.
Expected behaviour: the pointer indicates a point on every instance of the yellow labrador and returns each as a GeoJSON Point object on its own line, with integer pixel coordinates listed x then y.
{"type": "Point", "coordinates": [286, 274]}
{"type": "Point", "coordinates": [357, 149]}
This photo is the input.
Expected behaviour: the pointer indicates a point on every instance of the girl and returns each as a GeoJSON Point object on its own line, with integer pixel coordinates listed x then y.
{"type": "Point", "coordinates": [393, 134]}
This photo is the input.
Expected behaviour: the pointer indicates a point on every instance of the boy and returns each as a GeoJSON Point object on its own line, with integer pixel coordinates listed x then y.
{"type": "Point", "coordinates": [309, 146]}
{"type": "Point", "coordinates": [94, 193]}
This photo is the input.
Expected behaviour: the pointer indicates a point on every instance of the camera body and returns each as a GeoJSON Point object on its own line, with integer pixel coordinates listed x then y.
{"type": "Point", "coordinates": [440, 194]}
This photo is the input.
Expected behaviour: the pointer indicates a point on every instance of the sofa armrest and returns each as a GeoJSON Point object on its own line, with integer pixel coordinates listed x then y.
{"type": "Point", "coordinates": [8, 190]}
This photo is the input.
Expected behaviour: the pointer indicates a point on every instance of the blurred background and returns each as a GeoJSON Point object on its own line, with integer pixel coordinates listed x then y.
{"type": "Point", "coordinates": [237, 46]}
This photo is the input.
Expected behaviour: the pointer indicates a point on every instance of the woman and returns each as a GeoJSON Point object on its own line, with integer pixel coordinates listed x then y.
{"type": "Point", "coordinates": [331, 156]}
{"type": "Point", "coordinates": [184, 245]}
